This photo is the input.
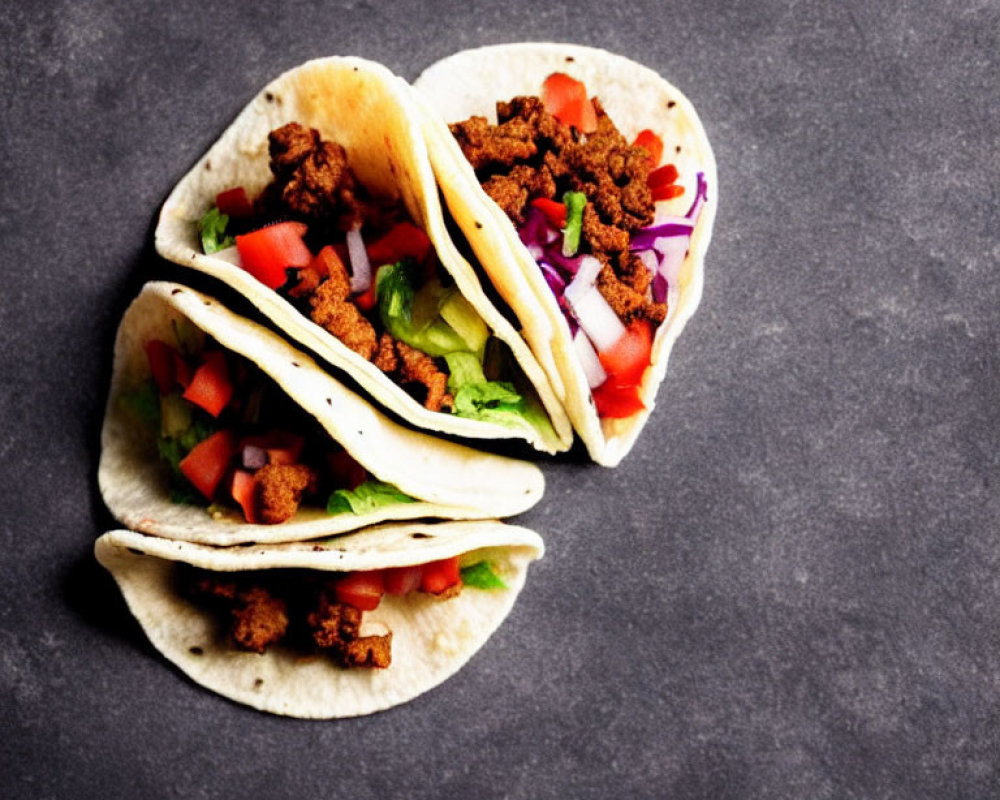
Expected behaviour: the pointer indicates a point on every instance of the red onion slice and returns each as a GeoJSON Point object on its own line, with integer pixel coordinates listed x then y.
{"type": "Point", "coordinates": [361, 268]}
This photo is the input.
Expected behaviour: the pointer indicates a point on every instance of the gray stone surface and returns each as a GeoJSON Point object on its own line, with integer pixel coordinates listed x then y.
{"type": "Point", "coordinates": [790, 588]}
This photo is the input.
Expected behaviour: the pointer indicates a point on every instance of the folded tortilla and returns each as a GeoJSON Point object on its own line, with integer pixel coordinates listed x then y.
{"type": "Point", "coordinates": [470, 83]}
{"type": "Point", "coordinates": [370, 112]}
{"type": "Point", "coordinates": [431, 637]}
{"type": "Point", "coordinates": [448, 480]}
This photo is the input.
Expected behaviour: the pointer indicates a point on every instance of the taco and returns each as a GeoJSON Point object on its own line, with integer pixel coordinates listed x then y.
{"type": "Point", "coordinates": [217, 431]}
{"type": "Point", "coordinates": [586, 187]}
{"type": "Point", "coordinates": [334, 628]}
{"type": "Point", "coordinates": [319, 205]}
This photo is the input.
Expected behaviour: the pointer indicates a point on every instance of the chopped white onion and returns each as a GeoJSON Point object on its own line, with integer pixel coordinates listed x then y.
{"type": "Point", "coordinates": [597, 319]}
{"type": "Point", "coordinates": [361, 269]}
{"type": "Point", "coordinates": [648, 257]}
{"type": "Point", "coordinates": [588, 360]}
{"type": "Point", "coordinates": [672, 250]}
{"type": "Point", "coordinates": [536, 251]}
{"type": "Point", "coordinates": [584, 279]}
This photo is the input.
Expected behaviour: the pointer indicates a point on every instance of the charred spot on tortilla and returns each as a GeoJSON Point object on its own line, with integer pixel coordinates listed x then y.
{"type": "Point", "coordinates": [318, 548]}
{"type": "Point", "coordinates": [258, 683]}
{"type": "Point", "coordinates": [269, 97]}
{"type": "Point", "coordinates": [671, 103]}
{"type": "Point", "coordinates": [479, 224]}
{"type": "Point", "coordinates": [208, 165]}
{"type": "Point", "coordinates": [136, 552]}
{"type": "Point", "coordinates": [570, 59]}
{"type": "Point", "coordinates": [176, 292]}
{"type": "Point", "coordinates": [196, 651]}
{"type": "Point", "coordinates": [296, 364]}
{"type": "Point", "coordinates": [419, 535]}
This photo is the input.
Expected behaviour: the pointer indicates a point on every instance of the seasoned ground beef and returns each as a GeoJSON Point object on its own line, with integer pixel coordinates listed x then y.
{"type": "Point", "coordinates": [259, 620]}
{"type": "Point", "coordinates": [333, 624]}
{"type": "Point", "coordinates": [312, 178]}
{"type": "Point", "coordinates": [530, 154]}
{"type": "Point", "coordinates": [418, 367]}
{"type": "Point", "coordinates": [278, 490]}
{"type": "Point", "coordinates": [368, 651]}
{"type": "Point", "coordinates": [332, 311]}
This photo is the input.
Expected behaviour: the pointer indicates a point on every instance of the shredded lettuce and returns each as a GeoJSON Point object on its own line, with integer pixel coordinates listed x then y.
{"type": "Point", "coordinates": [370, 495]}
{"type": "Point", "coordinates": [482, 575]}
{"type": "Point", "coordinates": [414, 316]}
{"type": "Point", "coordinates": [574, 202]}
{"type": "Point", "coordinates": [212, 227]}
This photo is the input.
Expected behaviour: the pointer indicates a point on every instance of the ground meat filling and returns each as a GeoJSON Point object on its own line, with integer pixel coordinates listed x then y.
{"type": "Point", "coordinates": [262, 609]}
{"type": "Point", "coordinates": [314, 182]}
{"type": "Point", "coordinates": [278, 490]}
{"type": "Point", "coordinates": [530, 154]}
{"type": "Point", "coordinates": [312, 178]}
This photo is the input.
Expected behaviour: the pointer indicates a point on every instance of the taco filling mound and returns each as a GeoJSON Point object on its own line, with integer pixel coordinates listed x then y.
{"type": "Point", "coordinates": [235, 442]}
{"type": "Point", "coordinates": [312, 612]}
{"type": "Point", "coordinates": [397, 307]}
{"type": "Point", "coordinates": [583, 199]}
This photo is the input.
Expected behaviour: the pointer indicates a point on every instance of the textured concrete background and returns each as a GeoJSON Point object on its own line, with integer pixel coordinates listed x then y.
{"type": "Point", "coordinates": [789, 589]}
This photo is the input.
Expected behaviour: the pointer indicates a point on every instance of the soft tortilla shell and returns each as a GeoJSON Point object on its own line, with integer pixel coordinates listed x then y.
{"type": "Point", "coordinates": [451, 481]}
{"type": "Point", "coordinates": [470, 83]}
{"type": "Point", "coordinates": [432, 638]}
{"type": "Point", "coordinates": [369, 111]}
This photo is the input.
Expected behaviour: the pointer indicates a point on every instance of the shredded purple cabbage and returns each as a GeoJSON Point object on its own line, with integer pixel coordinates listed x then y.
{"type": "Point", "coordinates": [545, 243]}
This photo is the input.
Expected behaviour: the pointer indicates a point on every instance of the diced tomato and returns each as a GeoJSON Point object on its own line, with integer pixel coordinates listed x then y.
{"type": "Point", "coordinates": [345, 472]}
{"type": "Point", "coordinates": [363, 590]}
{"type": "Point", "coordinates": [161, 364]}
{"type": "Point", "coordinates": [283, 447]}
{"type": "Point", "coordinates": [664, 176]}
{"type": "Point", "coordinates": [182, 370]}
{"type": "Point", "coordinates": [439, 576]}
{"type": "Point", "coordinates": [327, 261]}
{"type": "Point", "coordinates": [402, 580]}
{"type": "Point", "coordinates": [206, 464]}
{"type": "Point", "coordinates": [403, 240]}
{"type": "Point", "coordinates": [566, 99]}
{"type": "Point", "coordinates": [367, 300]}
{"type": "Point", "coordinates": [268, 252]}
{"type": "Point", "coordinates": [652, 143]}
{"type": "Point", "coordinates": [554, 211]}
{"type": "Point", "coordinates": [234, 202]}
{"type": "Point", "coordinates": [210, 387]}
{"type": "Point", "coordinates": [668, 192]}
{"type": "Point", "coordinates": [243, 492]}
{"type": "Point", "coordinates": [627, 359]}
{"type": "Point", "coordinates": [617, 402]}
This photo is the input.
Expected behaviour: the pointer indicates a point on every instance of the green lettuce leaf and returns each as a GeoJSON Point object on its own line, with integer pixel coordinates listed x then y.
{"type": "Point", "coordinates": [212, 228]}
{"type": "Point", "coordinates": [370, 495]}
{"type": "Point", "coordinates": [482, 575]}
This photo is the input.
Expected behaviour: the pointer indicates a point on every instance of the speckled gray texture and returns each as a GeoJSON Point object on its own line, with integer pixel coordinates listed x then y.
{"type": "Point", "coordinates": [788, 590]}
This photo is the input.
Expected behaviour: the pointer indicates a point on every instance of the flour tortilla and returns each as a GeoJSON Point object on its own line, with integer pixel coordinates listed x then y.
{"type": "Point", "coordinates": [431, 638]}
{"type": "Point", "coordinates": [370, 111]}
{"type": "Point", "coordinates": [470, 83]}
{"type": "Point", "coordinates": [449, 480]}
